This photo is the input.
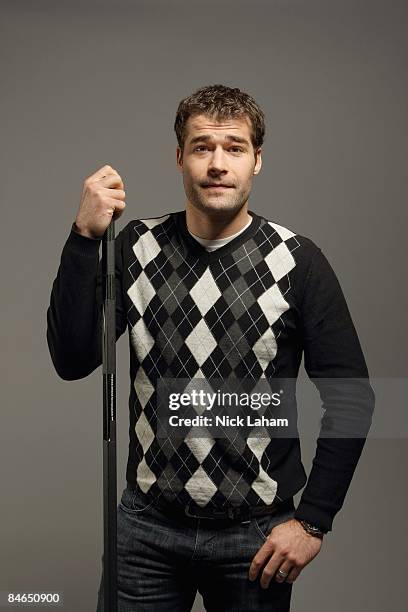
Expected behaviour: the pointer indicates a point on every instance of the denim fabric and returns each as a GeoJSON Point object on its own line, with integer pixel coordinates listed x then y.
{"type": "Point", "coordinates": [163, 561]}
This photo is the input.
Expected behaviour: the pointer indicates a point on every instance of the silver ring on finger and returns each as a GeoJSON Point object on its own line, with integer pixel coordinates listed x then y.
{"type": "Point", "coordinates": [282, 574]}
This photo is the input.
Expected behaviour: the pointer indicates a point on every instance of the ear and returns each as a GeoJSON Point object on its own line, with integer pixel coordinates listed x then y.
{"type": "Point", "coordinates": [258, 163]}
{"type": "Point", "coordinates": [179, 158]}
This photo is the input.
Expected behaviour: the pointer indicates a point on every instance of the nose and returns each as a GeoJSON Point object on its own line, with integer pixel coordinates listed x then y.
{"type": "Point", "coordinates": [217, 161]}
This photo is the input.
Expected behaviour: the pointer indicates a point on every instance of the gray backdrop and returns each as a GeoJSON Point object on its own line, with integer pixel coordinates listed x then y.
{"type": "Point", "coordinates": [94, 82]}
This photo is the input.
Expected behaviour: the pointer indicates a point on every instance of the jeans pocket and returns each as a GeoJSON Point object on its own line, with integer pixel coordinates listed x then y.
{"type": "Point", "coordinates": [263, 525]}
{"type": "Point", "coordinates": [134, 501]}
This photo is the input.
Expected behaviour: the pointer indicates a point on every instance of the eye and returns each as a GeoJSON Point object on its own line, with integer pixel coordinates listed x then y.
{"type": "Point", "coordinates": [238, 149]}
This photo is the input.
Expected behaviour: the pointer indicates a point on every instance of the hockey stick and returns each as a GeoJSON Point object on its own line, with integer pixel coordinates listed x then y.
{"type": "Point", "coordinates": [109, 420]}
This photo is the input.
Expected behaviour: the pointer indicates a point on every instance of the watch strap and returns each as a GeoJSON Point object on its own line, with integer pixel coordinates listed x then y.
{"type": "Point", "coordinates": [312, 529]}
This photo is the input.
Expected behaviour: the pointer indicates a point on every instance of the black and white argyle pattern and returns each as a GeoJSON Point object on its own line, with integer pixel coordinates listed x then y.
{"type": "Point", "coordinates": [190, 318]}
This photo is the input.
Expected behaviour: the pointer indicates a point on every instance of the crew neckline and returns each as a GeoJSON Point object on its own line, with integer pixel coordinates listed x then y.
{"type": "Point", "coordinates": [215, 243]}
{"type": "Point", "coordinates": [200, 251]}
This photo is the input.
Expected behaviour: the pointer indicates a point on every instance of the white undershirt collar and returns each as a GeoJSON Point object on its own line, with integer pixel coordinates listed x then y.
{"type": "Point", "coordinates": [215, 243]}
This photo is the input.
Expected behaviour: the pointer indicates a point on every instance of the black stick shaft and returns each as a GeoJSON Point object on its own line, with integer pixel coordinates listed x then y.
{"type": "Point", "coordinates": [109, 421]}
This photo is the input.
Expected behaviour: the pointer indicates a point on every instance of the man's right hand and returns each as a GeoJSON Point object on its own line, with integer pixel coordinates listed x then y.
{"type": "Point", "coordinates": [102, 198]}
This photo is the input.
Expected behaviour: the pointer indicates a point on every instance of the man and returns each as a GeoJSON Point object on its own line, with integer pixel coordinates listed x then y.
{"type": "Point", "coordinates": [213, 291]}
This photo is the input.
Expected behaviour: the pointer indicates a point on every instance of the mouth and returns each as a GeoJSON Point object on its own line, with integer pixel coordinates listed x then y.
{"type": "Point", "coordinates": [217, 187]}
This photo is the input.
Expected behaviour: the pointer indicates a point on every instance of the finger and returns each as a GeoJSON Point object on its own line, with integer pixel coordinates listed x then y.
{"type": "Point", "coordinates": [293, 574]}
{"type": "Point", "coordinates": [259, 559]}
{"type": "Point", "coordinates": [118, 194]}
{"type": "Point", "coordinates": [116, 208]}
{"type": "Point", "coordinates": [115, 204]}
{"type": "Point", "coordinates": [270, 570]}
{"type": "Point", "coordinates": [285, 568]}
{"type": "Point", "coordinates": [111, 180]}
{"type": "Point", "coordinates": [105, 175]}
{"type": "Point", "coordinates": [100, 173]}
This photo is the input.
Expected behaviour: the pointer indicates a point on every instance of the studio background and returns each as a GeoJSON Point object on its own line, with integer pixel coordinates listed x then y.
{"type": "Point", "coordinates": [95, 82]}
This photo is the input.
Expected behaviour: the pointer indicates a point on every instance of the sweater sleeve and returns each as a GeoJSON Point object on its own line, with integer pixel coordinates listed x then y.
{"type": "Point", "coordinates": [332, 354]}
{"type": "Point", "coordinates": [75, 313]}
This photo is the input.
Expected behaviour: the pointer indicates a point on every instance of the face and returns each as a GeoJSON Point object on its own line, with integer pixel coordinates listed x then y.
{"type": "Point", "coordinates": [220, 153]}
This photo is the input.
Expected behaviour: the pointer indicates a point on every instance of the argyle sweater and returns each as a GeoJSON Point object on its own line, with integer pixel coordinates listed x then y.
{"type": "Point", "coordinates": [250, 308]}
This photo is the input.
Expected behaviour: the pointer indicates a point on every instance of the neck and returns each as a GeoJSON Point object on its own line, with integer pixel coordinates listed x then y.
{"type": "Point", "coordinates": [215, 224]}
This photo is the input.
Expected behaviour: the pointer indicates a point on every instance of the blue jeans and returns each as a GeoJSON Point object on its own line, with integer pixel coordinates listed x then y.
{"type": "Point", "coordinates": [163, 562]}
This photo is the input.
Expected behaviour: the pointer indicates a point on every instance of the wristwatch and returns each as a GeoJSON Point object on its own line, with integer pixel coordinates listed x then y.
{"type": "Point", "coordinates": [312, 529]}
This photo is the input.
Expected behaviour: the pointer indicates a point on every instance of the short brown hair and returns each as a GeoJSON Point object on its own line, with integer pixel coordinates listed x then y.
{"type": "Point", "coordinates": [220, 102]}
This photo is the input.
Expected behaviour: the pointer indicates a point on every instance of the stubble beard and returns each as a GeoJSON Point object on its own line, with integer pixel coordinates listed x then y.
{"type": "Point", "coordinates": [223, 205]}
